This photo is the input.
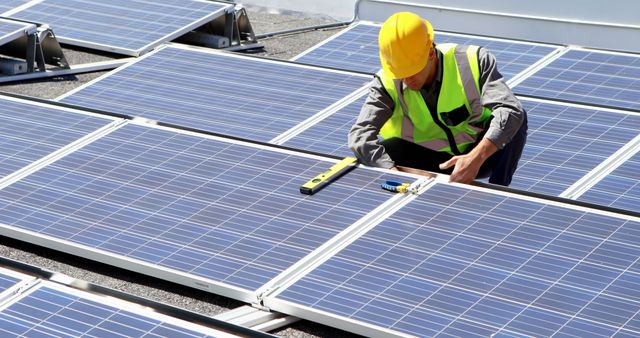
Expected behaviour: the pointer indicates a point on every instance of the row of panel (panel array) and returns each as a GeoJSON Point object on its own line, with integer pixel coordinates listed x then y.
{"type": "Point", "coordinates": [284, 95]}
{"type": "Point", "coordinates": [230, 217]}
{"type": "Point", "coordinates": [130, 27]}
{"type": "Point", "coordinates": [224, 213]}
{"type": "Point", "coordinates": [47, 309]}
{"type": "Point", "coordinates": [263, 99]}
{"type": "Point", "coordinates": [148, 196]}
{"type": "Point", "coordinates": [582, 76]}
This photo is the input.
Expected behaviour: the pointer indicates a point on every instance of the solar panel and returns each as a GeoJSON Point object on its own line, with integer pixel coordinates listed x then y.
{"type": "Point", "coordinates": [240, 96]}
{"type": "Point", "coordinates": [7, 280]}
{"type": "Point", "coordinates": [31, 131]}
{"type": "Point", "coordinates": [129, 27]}
{"type": "Point", "coordinates": [565, 142]}
{"type": "Point", "coordinates": [357, 49]}
{"type": "Point", "coordinates": [10, 30]}
{"type": "Point", "coordinates": [595, 77]}
{"type": "Point", "coordinates": [55, 311]}
{"type": "Point", "coordinates": [6, 5]}
{"type": "Point", "coordinates": [620, 189]}
{"type": "Point", "coordinates": [226, 213]}
{"type": "Point", "coordinates": [329, 136]}
{"type": "Point", "coordinates": [463, 262]}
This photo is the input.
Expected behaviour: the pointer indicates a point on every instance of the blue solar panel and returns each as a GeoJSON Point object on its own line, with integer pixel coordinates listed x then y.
{"type": "Point", "coordinates": [228, 213]}
{"type": "Point", "coordinates": [329, 136]}
{"type": "Point", "coordinates": [238, 96]}
{"type": "Point", "coordinates": [620, 189]}
{"type": "Point", "coordinates": [588, 77]}
{"type": "Point", "coordinates": [7, 281]}
{"type": "Point", "coordinates": [122, 26]}
{"type": "Point", "coordinates": [462, 262]}
{"type": "Point", "coordinates": [29, 131]}
{"type": "Point", "coordinates": [6, 5]}
{"type": "Point", "coordinates": [357, 49]}
{"type": "Point", "coordinates": [53, 312]}
{"type": "Point", "coordinates": [567, 142]}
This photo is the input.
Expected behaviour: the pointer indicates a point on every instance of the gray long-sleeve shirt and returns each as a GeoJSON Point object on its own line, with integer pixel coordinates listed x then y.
{"type": "Point", "coordinates": [507, 111]}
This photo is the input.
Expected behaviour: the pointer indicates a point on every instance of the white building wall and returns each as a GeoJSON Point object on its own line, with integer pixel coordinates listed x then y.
{"type": "Point", "coordinates": [613, 24]}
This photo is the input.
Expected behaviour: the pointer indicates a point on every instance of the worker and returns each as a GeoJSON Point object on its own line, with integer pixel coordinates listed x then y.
{"type": "Point", "coordinates": [443, 108]}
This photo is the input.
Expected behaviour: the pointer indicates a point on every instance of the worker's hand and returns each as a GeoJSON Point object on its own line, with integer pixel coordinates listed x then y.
{"type": "Point", "coordinates": [465, 168]}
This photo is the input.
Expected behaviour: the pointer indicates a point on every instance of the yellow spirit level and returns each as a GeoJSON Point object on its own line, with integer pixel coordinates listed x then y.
{"type": "Point", "coordinates": [322, 180]}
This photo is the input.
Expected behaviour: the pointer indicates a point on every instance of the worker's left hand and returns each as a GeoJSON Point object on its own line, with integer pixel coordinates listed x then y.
{"type": "Point", "coordinates": [465, 170]}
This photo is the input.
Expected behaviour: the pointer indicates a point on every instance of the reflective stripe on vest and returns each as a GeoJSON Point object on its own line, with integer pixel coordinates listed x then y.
{"type": "Point", "coordinates": [413, 121]}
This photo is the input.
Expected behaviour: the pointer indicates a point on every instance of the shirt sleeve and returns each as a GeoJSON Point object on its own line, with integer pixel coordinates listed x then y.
{"type": "Point", "coordinates": [363, 136]}
{"type": "Point", "coordinates": [507, 111]}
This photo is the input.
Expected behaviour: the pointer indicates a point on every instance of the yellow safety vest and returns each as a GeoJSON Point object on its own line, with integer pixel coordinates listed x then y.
{"type": "Point", "coordinates": [460, 117]}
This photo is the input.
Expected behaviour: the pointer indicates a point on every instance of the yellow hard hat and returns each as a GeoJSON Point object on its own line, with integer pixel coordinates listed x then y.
{"type": "Point", "coordinates": [404, 40]}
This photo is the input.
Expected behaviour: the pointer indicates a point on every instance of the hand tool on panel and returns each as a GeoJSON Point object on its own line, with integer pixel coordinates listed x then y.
{"type": "Point", "coordinates": [322, 180]}
{"type": "Point", "coordinates": [396, 186]}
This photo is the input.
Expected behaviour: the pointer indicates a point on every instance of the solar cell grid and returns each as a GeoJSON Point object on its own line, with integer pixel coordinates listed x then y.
{"type": "Point", "coordinates": [329, 136]}
{"type": "Point", "coordinates": [461, 262]}
{"type": "Point", "coordinates": [29, 132]}
{"type": "Point", "coordinates": [226, 212]}
{"type": "Point", "coordinates": [52, 312]}
{"type": "Point", "coordinates": [357, 49]}
{"type": "Point", "coordinates": [566, 142]}
{"type": "Point", "coordinates": [124, 26]}
{"type": "Point", "coordinates": [590, 77]}
{"type": "Point", "coordinates": [7, 281]}
{"type": "Point", "coordinates": [6, 5]}
{"type": "Point", "coordinates": [237, 96]}
{"type": "Point", "coordinates": [620, 189]}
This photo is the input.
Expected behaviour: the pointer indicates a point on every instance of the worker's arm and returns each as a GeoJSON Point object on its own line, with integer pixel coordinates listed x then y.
{"type": "Point", "coordinates": [507, 113]}
{"type": "Point", "coordinates": [363, 136]}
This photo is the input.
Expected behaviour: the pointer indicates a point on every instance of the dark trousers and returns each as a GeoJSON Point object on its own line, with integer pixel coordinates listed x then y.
{"type": "Point", "coordinates": [500, 167]}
